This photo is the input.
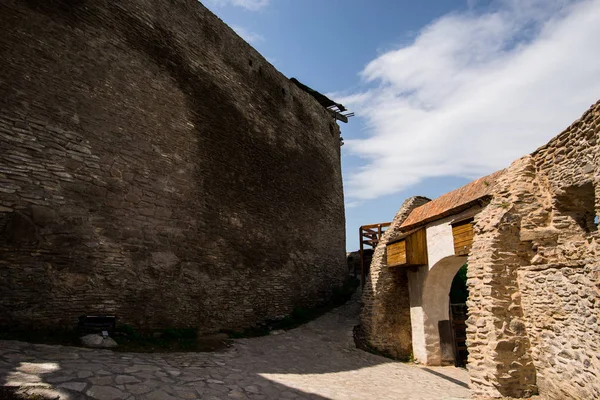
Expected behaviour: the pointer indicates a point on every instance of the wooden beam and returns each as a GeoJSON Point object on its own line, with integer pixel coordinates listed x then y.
{"type": "Point", "coordinates": [338, 116]}
{"type": "Point", "coordinates": [368, 231]}
{"type": "Point", "coordinates": [374, 226]}
{"type": "Point", "coordinates": [370, 242]}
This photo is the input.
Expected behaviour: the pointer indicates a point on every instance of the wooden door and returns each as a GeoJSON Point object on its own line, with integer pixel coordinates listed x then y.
{"type": "Point", "coordinates": [458, 316]}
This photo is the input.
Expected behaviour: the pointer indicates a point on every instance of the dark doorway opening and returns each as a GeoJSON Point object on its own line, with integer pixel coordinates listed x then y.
{"type": "Point", "coordinates": [459, 293]}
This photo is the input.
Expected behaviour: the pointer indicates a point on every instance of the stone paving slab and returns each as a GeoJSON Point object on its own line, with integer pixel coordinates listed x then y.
{"type": "Point", "coordinates": [315, 361]}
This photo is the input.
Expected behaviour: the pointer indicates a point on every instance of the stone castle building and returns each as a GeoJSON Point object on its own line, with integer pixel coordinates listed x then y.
{"type": "Point", "coordinates": [154, 166]}
{"type": "Point", "coordinates": [529, 236]}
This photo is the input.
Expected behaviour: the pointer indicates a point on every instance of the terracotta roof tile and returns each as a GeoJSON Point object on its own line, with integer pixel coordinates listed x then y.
{"type": "Point", "coordinates": [452, 202]}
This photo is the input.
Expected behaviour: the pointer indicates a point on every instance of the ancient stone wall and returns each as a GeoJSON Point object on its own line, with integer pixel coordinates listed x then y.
{"type": "Point", "coordinates": [385, 317]}
{"type": "Point", "coordinates": [153, 165]}
{"type": "Point", "coordinates": [500, 362]}
{"type": "Point", "coordinates": [534, 274]}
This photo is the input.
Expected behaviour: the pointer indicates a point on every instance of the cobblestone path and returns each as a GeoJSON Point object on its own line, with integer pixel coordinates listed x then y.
{"type": "Point", "coordinates": [315, 361]}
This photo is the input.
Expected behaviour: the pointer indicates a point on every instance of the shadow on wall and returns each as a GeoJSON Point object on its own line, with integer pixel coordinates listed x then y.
{"type": "Point", "coordinates": [159, 222]}
{"type": "Point", "coordinates": [390, 331]}
{"type": "Point", "coordinates": [385, 319]}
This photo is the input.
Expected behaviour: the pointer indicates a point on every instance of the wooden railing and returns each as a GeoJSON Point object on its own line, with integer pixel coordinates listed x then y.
{"type": "Point", "coordinates": [369, 235]}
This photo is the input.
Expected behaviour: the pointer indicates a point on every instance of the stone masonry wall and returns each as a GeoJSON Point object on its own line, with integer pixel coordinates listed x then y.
{"type": "Point", "coordinates": [385, 317]}
{"type": "Point", "coordinates": [153, 165]}
{"type": "Point", "coordinates": [534, 274]}
{"type": "Point", "coordinates": [500, 362]}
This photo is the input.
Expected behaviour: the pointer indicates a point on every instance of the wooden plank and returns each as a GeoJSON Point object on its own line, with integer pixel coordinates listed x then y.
{"type": "Point", "coordinates": [371, 242]}
{"type": "Point", "coordinates": [416, 248]}
{"type": "Point", "coordinates": [383, 225]}
{"type": "Point", "coordinates": [468, 221]}
{"type": "Point", "coordinates": [338, 116]}
{"type": "Point", "coordinates": [462, 229]}
{"type": "Point", "coordinates": [397, 248]}
{"type": "Point", "coordinates": [396, 254]}
{"type": "Point", "coordinates": [369, 232]}
{"type": "Point", "coordinates": [461, 235]}
{"type": "Point", "coordinates": [462, 252]}
{"type": "Point", "coordinates": [465, 242]}
{"type": "Point", "coordinates": [464, 245]}
{"type": "Point", "coordinates": [462, 248]}
{"type": "Point", "coordinates": [462, 225]}
{"type": "Point", "coordinates": [397, 261]}
{"type": "Point", "coordinates": [464, 234]}
{"type": "Point", "coordinates": [423, 234]}
{"type": "Point", "coordinates": [412, 250]}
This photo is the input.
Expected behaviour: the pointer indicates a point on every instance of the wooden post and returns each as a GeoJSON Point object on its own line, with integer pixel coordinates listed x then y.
{"type": "Point", "coordinates": [373, 238]}
{"type": "Point", "coordinates": [362, 260]}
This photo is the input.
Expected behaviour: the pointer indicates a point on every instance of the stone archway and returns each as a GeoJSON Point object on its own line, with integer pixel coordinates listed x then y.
{"type": "Point", "coordinates": [431, 343]}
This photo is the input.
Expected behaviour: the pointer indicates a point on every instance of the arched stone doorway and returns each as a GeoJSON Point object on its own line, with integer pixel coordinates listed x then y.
{"type": "Point", "coordinates": [432, 337]}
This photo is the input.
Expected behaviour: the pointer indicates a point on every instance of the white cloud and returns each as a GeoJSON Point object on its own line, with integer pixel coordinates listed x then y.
{"type": "Point", "coordinates": [247, 4]}
{"type": "Point", "coordinates": [248, 36]}
{"type": "Point", "coordinates": [354, 204]}
{"type": "Point", "coordinates": [473, 92]}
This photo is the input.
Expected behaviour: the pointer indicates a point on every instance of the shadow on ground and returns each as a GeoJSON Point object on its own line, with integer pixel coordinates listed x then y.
{"type": "Point", "coordinates": [315, 361]}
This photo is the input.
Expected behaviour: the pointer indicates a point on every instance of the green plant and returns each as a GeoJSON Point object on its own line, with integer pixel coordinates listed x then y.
{"type": "Point", "coordinates": [504, 205]}
{"type": "Point", "coordinates": [459, 291]}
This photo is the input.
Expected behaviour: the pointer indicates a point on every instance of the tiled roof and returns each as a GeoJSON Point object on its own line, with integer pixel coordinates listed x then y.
{"type": "Point", "coordinates": [452, 202]}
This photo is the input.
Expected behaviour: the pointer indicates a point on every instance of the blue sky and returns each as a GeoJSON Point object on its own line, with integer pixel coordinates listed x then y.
{"type": "Point", "coordinates": [445, 91]}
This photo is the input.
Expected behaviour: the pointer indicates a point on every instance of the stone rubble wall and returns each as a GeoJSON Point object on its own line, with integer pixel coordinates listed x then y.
{"type": "Point", "coordinates": [385, 316]}
{"type": "Point", "coordinates": [534, 274]}
{"type": "Point", "coordinates": [561, 302]}
{"type": "Point", "coordinates": [500, 363]}
{"type": "Point", "coordinates": [154, 166]}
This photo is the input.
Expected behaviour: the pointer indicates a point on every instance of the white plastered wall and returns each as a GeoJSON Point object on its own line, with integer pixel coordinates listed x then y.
{"type": "Point", "coordinates": [429, 287]}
